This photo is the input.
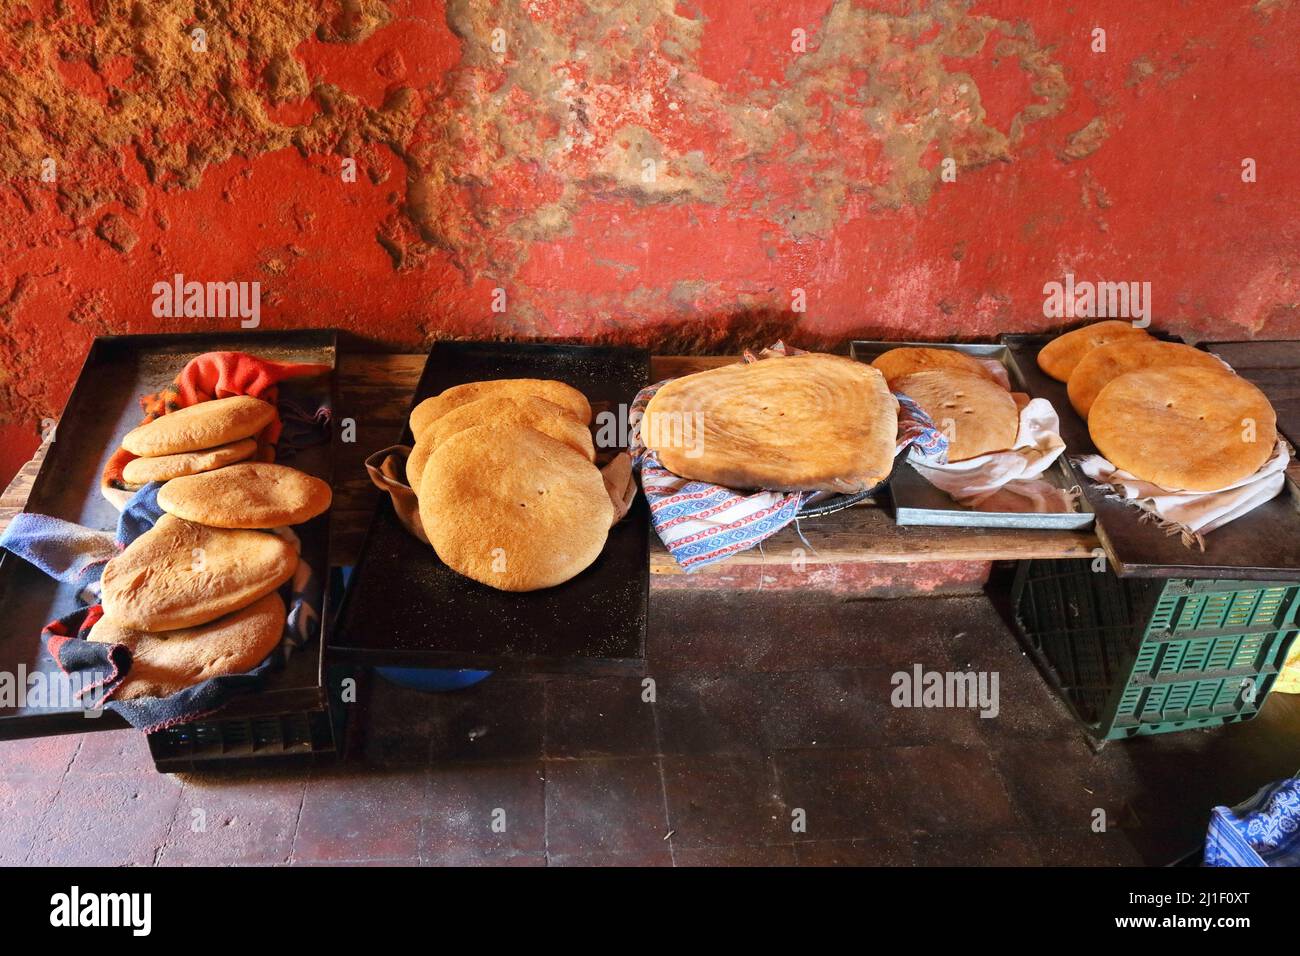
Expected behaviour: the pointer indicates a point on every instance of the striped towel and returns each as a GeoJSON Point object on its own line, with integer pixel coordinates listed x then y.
{"type": "Point", "coordinates": [702, 523]}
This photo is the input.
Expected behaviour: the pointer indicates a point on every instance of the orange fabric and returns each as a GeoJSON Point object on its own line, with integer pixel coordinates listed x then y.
{"type": "Point", "coordinates": [218, 375]}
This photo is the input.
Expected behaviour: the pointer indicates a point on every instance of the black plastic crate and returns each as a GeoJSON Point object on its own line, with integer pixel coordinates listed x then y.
{"type": "Point", "coordinates": [1136, 656]}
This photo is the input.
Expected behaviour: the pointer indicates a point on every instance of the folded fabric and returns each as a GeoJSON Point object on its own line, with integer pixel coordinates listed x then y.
{"type": "Point", "coordinates": [1263, 831]}
{"type": "Point", "coordinates": [205, 377]}
{"type": "Point", "coordinates": [1192, 514]}
{"type": "Point", "coordinates": [62, 550]}
{"type": "Point", "coordinates": [1004, 481]}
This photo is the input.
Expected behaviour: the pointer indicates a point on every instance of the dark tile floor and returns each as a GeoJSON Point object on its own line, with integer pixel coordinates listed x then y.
{"type": "Point", "coordinates": [767, 737]}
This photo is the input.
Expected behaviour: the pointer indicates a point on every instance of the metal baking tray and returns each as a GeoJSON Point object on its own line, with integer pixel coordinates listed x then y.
{"type": "Point", "coordinates": [404, 607]}
{"type": "Point", "coordinates": [102, 408]}
{"type": "Point", "coordinates": [1263, 545]}
{"type": "Point", "coordinates": [917, 502]}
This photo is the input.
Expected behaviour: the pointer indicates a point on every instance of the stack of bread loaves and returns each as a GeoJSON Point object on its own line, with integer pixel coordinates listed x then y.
{"type": "Point", "coordinates": [195, 596]}
{"type": "Point", "coordinates": [962, 397]}
{"type": "Point", "coordinates": [1165, 413]}
{"type": "Point", "coordinates": [505, 474]}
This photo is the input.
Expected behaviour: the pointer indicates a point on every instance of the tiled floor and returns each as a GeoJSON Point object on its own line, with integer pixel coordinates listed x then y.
{"type": "Point", "coordinates": [767, 737]}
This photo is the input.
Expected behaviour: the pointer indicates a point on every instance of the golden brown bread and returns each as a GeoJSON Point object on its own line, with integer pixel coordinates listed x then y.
{"type": "Point", "coordinates": [246, 495]}
{"type": "Point", "coordinates": [977, 415]}
{"type": "Point", "coordinates": [164, 662]}
{"type": "Point", "coordinates": [201, 426]}
{"type": "Point", "coordinates": [179, 574]}
{"type": "Point", "coordinates": [905, 360]}
{"type": "Point", "coordinates": [529, 410]}
{"type": "Point", "coordinates": [1059, 357]}
{"type": "Point", "coordinates": [1128, 353]}
{"type": "Point", "coordinates": [802, 423]}
{"type": "Point", "coordinates": [141, 471]}
{"type": "Point", "coordinates": [1184, 428]}
{"type": "Point", "coordinates": [415, 462]}
{"type": "Point", "coordinates": [558, 393]}
{"type": "Point", "coordinates": [512, 508]}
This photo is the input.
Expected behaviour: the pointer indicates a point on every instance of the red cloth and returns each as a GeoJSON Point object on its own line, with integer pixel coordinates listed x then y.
{"type": "Point", "coordinates": [218, 375]}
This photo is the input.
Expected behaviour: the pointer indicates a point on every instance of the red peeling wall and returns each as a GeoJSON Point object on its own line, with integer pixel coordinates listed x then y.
{"type": "Point", "coordinates": [519, 160]}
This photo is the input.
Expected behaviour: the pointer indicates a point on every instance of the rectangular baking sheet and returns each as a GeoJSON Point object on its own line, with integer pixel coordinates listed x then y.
{"type": "Point", "coordinates": [917, 502]}
{"type": "Point", "coordinates": [102, 408]}
{"type": "Point", "coordinates": [1263, 545]}
{"type": "Point", "coordinates": [404, 607]}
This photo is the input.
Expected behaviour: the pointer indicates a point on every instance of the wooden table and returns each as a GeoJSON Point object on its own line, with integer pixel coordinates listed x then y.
{"type": "Point", "coordinates": [375, 391]}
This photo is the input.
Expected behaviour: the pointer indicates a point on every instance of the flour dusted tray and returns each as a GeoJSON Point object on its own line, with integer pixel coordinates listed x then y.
{"type": "Point", "coordinates": [404, 607]}
{"type": "Point", "coordinates": [1263, 545]}
{"type": "Point", "coordinates": [290, 716]}
{"type": "Point", "coordinates": [917, 502]}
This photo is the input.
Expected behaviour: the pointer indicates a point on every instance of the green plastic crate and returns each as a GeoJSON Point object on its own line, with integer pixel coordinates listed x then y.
{"type": "Point", "coordinates": [1134, 656]}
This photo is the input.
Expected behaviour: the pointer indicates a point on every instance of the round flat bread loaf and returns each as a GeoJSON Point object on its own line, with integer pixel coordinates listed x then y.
{"type": "Point", "coordinates": [201, 426]}
{"type": "Point", "coordinates": [141, 471]}
{"type": "Point", "coordinates": [513, 508]}
{"type": "Point", "coordinates": [977, 415]}
{"type": "Point", "coordinates": [179, 574]}
{"type": "Point", "coordinates": [415, 462]}
{"type": "Point", "coordinates": [247, 495]}
{"type": "Point", "coordinates": [1059, 357]}
{"type": "Point", "coordinates": [165, 662]}
{"type": "Point", "coordinates": [896, 363]}
{"type": "Point", "coordinates": [1128, 353]}
{"type": "Point", "coordinates": [566, 396]}
{"type": "Point", "coordinates": [802, 423]}
{"type": "Point", "coordinates": [537, 413]}
{"type": "Point", "coordinates": [1184, 428]}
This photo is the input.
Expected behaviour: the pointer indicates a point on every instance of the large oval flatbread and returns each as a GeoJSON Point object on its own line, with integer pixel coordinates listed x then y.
{"type": "Point", "coordinates": [566, 396]}
{"type": "Point", "coordinates": [141, 471]}
{"type": "Point", "coordinates": [165, 662]}
{"type": "Point", "coordinates": [896, 363]}
{"type": "Point", "coordinates": [247, 495]}
{"type": "Point", "coordinates": [977, 415]}
{"type": "Point", "coordinates": [513, 508]}
{"type": "Point", "coordinates": [1059, 357]}
{"type": "Point", "coordinates": [205, 425]}
{"type": "Point", "coordinates": [1128, 353]}
{"type": "Point", "coordinates": [803, 423]}
{"type": "Point", "coordinates": [179, 574]}
{"type": "Point", "coordinates": [1184, 428]}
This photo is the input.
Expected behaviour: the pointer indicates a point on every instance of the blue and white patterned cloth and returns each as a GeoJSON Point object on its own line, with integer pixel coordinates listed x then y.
{"type": "Point", "coordinates": [1263, 831]}
{"type": "Point", "coordinates": [702, 523]}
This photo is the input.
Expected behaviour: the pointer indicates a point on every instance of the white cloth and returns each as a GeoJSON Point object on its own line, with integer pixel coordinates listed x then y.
{"type": "Point", "coordinates": [1194, 513]}
{"type": "Point", "coordinates": [1006, 480]}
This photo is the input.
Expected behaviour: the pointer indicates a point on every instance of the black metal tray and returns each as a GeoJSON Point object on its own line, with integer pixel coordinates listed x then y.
{"type": "Point", "coordinates": [1263, 545]}
{"type": "Point", "coordinates": [104, 406]}
{"type": "Point", "coordinates": [404, 607]}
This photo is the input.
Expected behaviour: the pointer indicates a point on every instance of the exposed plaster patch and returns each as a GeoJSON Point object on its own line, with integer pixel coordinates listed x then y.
{"type": "Point", "coordinates": [177, 109]}
{"type": "Point", "coordinates": [1084, 142]}
{"type": "Point", "coordinates": [584, 98]}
